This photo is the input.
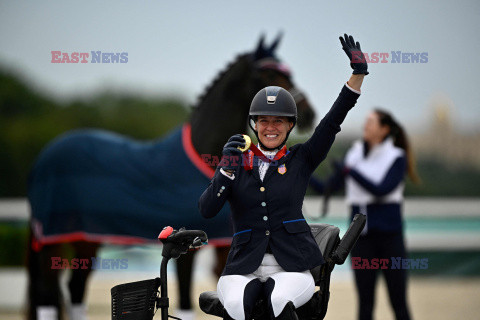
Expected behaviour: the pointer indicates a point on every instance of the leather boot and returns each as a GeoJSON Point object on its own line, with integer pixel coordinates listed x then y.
{"type": "Point", "coordinates": [288, 313]}
{"type": "Point", "coordinates": [226, 316]}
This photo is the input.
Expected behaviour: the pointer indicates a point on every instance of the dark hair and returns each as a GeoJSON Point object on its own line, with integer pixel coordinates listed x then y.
{"type": "Point", "coordinates": [400, 140]}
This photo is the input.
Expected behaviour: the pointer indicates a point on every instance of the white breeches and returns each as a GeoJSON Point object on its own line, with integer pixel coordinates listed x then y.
{"type": "Point", "coordinates": [297, 287]}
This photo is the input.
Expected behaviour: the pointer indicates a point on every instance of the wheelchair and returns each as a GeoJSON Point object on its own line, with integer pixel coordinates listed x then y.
{"type": "Point", "coordinates": [140, 300]}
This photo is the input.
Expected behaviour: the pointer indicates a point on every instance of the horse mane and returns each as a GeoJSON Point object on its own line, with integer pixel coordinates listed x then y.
{"type": "Point", "coordinates": [222, 109]}
{"type": "Point", "coordinates": [220, 75]}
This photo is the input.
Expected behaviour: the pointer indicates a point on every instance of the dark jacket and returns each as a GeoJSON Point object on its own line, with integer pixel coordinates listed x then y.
{"type": "Point", "coordinates": [269, 213]}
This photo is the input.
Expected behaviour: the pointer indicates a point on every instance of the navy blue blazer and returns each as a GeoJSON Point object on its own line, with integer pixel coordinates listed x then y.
{"type": "Point", "coordinates": [269, 213]}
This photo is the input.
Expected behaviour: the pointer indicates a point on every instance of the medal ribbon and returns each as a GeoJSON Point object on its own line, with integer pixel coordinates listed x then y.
{"type": "Point", "coordinates": [254, 151]}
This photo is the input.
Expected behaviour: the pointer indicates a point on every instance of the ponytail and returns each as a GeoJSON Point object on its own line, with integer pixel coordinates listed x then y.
{"type": "Point", "coordinates": [400, 140]}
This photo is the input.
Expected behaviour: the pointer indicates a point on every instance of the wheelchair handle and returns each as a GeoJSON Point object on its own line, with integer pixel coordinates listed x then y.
{"type": "Point", "coordinates": [349, 239]}
{"type": "Point", "coordinates": [178, 242]}
{"type": "Point", "coordinates": [182, 236]}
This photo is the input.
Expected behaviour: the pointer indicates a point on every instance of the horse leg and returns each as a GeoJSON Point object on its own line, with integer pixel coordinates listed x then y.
{"type": "Point", "coordinates": [184, 278]}
{"type": "Point", "coordinates": [222, 255]}
{"type": "Point", "coordinates": [44, 291]}
{"type": "Point", "coordinates": [78, 280]}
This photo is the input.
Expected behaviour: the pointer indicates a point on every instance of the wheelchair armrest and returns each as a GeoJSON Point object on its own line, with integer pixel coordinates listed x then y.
{"type": "Point", "coordinates": [327, 238]}
{"type": "Point", "coordinates": [349, 239]}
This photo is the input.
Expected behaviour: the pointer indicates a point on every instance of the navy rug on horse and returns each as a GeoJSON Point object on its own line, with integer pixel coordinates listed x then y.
{"type": "Point", "coordinates": [88, 183]}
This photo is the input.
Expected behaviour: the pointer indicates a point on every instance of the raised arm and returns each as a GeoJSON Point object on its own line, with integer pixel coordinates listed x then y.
{"type": "Point", "coordinates": [355, 81]}
{"type": "Point", "coordinates": [317, 147]}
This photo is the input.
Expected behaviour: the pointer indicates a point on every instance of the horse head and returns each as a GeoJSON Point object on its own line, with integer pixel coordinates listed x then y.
{"type": "Point", "coordinates": [272, 71]}
{"type": "Point", "coordinates": [222, 110]}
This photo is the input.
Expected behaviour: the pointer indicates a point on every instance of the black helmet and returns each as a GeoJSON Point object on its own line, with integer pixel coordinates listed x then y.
{"type": "Point", "coordinates": [273, 101]}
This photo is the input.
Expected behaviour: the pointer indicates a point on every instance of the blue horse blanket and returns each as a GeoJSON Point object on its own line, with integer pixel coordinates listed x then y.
{"type": "Point", "coordinates": [100, 186]}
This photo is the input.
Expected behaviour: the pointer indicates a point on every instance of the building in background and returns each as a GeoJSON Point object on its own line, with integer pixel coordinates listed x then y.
{"type": "Point", "coordinates": [443, 138]}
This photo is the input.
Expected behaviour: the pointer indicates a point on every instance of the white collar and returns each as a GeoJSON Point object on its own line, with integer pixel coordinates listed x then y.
{"type": "Point", "coordinates": [268, 154]}
{"type": "Point", "coordinates": [385, 144]}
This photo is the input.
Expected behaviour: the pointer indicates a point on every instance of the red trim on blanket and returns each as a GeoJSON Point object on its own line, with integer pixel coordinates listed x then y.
{"type": "Point", "coordinates": [220, 242]}
{"type": "Point", "coordinates": [110, 239]}
{"type": "Point", "coordinates": [193, 154]}
{"type": "Point", "coordinates": [36, 246]}
{"type": "Point", "coordinates": [84, 236]}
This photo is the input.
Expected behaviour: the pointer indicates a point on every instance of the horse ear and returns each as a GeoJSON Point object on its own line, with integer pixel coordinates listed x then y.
{"type": "Point", "coordinates": [260, 46]}
{"type": "Point", "coordinates": [276, 42]}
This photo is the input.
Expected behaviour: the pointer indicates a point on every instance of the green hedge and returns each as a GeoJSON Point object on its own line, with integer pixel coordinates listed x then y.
{"type": "Point", "coordinates": [14, 238]}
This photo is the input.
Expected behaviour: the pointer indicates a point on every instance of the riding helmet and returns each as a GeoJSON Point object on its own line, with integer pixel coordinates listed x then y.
{"type": "Point", "coordinates": [273, 101]}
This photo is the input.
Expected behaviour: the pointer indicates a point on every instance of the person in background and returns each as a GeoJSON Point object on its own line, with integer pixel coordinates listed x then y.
{"type": "Point", "coordinates": [373, 173]}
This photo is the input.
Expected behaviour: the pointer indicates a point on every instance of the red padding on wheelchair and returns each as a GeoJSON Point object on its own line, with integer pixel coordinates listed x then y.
{"type": "Point", "coordinates": [166, 232]}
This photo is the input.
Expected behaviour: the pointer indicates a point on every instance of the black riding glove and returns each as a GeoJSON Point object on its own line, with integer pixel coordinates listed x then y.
{"type": "Point", "coordinates": [355, 54]}
{"type": "Point", "coordinates": [232, 156]}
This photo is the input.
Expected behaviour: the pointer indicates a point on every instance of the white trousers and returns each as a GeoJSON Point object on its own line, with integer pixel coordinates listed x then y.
{"type": "Point", "coordinates": [297, 287]}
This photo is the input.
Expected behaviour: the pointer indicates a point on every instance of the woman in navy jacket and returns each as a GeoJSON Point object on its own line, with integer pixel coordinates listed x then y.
{"type": "Point", "coordinates": [272, 248]}
{"type": "Point", "coordinates": [373, 172]}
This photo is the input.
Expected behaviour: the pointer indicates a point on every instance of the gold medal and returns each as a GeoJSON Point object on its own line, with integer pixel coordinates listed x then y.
{"type": "Point", "coordinates": [248, 142]}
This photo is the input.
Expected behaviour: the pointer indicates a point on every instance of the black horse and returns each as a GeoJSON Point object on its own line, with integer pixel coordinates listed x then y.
{"type": "Point", "coordinates": [91, 186]}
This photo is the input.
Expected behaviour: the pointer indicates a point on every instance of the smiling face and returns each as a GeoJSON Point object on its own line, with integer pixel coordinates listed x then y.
{"type": "Point", "coordinates": [373, 131]}
{"type": "Point", "coordinates": [272, 130]}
